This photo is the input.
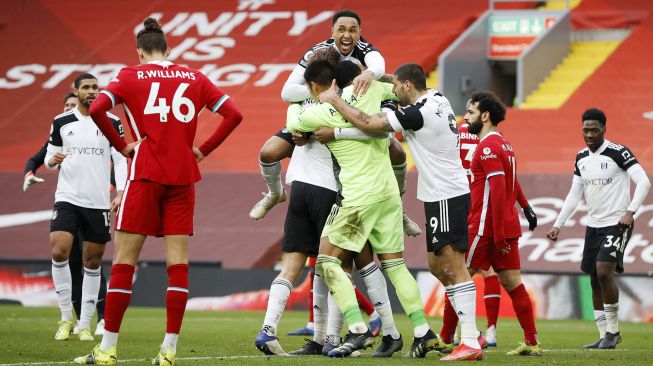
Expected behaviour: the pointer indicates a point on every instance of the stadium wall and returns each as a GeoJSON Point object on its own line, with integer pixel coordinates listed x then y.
{"type": "Point", "coordinates": [211, 288]}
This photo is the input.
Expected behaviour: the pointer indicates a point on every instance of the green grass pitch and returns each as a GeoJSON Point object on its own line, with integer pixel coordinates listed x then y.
{"type": "Point", "coordinates": [216, 338]}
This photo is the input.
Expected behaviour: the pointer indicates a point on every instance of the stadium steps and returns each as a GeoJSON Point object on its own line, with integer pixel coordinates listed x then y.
{"type": "Point", "coordinates": [583, 59]}
{"type": "Point", "coordinates": [559, 5]}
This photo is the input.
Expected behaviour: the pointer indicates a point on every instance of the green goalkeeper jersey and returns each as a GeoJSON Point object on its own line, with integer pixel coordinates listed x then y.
{"type": "Point", "coordinates": [362, 168]}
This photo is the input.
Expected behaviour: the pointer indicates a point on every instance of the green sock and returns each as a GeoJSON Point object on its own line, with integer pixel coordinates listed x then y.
{"type": "Point", "coordinates": [340, 286]}
{"type": "Point", "coordinates": [417, 318]}
{"type": "Point", "coordinates": [407, 289]}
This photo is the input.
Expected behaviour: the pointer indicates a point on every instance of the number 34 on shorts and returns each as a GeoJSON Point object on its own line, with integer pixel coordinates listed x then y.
{"type": "Point", "coordinates": [616, 241]}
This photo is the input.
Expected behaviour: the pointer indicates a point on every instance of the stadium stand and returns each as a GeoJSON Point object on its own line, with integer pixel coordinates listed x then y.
{"type": "Point", "coordinates": [619, 86]}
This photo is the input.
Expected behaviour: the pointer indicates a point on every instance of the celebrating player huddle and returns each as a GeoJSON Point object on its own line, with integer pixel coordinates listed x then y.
{"type": "Point", "coordinates": [347, 174]}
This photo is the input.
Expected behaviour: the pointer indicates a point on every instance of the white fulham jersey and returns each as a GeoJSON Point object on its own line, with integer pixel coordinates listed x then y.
{"type": "Point", "coordinates": [429, 127]}
{"type": "Point", "coordinates": [606, 184]}
{"type": "Point", "coordinates": [312, 163]}
{"type": "Point", "coordinates": [84, 177]}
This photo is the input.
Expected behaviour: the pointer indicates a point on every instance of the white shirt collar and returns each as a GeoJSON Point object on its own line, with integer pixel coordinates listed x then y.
{"type": "Point", "coordinates": [490, 134]}
{"type": "Point", "coordinates": [79, 114]}
{"type": "Point", "coordinates": [603, 146]}
{"type": "Point", "coordinates": [164, 63]}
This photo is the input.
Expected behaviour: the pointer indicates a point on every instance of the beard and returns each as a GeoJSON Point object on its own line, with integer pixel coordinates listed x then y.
{"type": "Point", "coordinates": [475, 127]}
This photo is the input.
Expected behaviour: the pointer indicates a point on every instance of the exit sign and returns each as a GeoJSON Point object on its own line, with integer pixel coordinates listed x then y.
{"type": "Point", "coordinates": [519, 26]}
{"type": "Point", "coordinates": [510, 35]}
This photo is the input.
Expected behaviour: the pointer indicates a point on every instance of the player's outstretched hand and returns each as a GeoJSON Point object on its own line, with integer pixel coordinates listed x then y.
{"type": "Point", "coordinates": [362, 82]}
{"type": "Point", "coordinates": [531, 217]}
{"type": "Point", "coordinates": [330, 94]}
{"type": "Point", "coordinates": [128, 151]}
{"type": "Point", "coordinates": [325, 134]}
{"type": "Point", "coordinates": [116, 201]}
{"type": "Point", "coordinates": [31, 179]}
{"type": "Point", "coordinates": [198, 154]}
{"type": "Point", "coordinates": [553, 234]}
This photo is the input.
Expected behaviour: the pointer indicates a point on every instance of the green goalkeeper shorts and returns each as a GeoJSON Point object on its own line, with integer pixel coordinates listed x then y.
{"type": "Point", "coordinates": [381, 223]}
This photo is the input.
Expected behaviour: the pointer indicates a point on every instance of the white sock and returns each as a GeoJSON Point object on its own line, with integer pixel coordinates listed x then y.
{"type": "Point", "coordinates": [601, 323]}
{"type": "Point", "coordinates": [358, 327]}
{"type": "Point", "coordinates": [310, 325]}
{"type": "Point", "coordinates": [336, 318]}
{"type": "Point", "coordinates": [109, 339]}
{"type": "Point", "coordinates": [465, 306]}
{"type": "Point", "coordinates": [272, 176]}
{"type": "Point", "coordinates": [400, 175]}
{"type": "Point", "coordinates": [375, 315]}
{"type": "Point", "coordinates": [279, 293]}
{"type": "Point", "coordinates": [320, 309]}
{"type": "Point", "coordinates": [90, 290]}
{"type": "Point", "coordinates": [420, 330]}
{"type": "Point", "coordinates": [169, 342]}
{"type": "Point", "coordinates": [378, 291]}
{"type": "Point", "coordinates": [612, 317]}
{"type": "Point", "coordinates": [63, 285]}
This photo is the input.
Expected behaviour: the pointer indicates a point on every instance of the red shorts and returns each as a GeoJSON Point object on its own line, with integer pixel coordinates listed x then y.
{"type": "Point", "coordinates": [154, 209]}
{"type": "Point", "coordinates": [482, 254]}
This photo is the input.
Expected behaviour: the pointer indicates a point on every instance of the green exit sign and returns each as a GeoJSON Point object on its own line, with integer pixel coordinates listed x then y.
{"type": "Point", "coordinates": [519, 25]}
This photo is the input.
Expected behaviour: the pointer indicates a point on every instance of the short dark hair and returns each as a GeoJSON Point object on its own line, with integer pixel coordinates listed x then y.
{"type": "Point", "coordinates": [320, 72]}
{"type": "Point", "coordinates": [151, 37]}
{"type": "Point", "coordinates": [330, 54]}
{"type": "Point", "coordinates": [489, 102]}
{"type": "Point", "coordinates": [346, 72]}
{"type": "Point", "coordinates": [595, 114]}
{"type": "Point", "coordinates": [68, 96]}
{"type": "Point", "coordinates": [413, 73]}
{"type": "Point", "coordinates": [78, 80]}
{"type": "Point", "coordinates": [345, 13]}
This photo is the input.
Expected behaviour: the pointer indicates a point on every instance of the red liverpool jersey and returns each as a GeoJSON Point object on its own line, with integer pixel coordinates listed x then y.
{"type": "Point", "coordinates": [162, 101]}
{"type": "Point", "coordinates": [494, 156]}
{"type": "Point", "coordinates": [468, 143]}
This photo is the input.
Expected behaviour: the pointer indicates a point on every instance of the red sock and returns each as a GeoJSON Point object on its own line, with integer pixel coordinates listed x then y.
{"type": "Point", "coordinates": [492, 299]}
{"type": "Point", "coordinates": [364, 303]}
{"type": "Point", "coordinates": [176, 296]}
{"type": "Point", "coordinates": [311, 273]}
{"type": "Point", "coordinates": [119, 294]}
{"type": "Point", "coordinates": [449, 321]}
{"type": "Point", "coordinates": [523, 307]}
